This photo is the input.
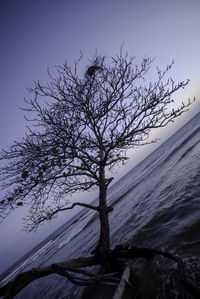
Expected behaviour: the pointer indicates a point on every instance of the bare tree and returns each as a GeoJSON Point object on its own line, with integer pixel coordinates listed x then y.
{"type": "Point", "coordinates": [80, 132]}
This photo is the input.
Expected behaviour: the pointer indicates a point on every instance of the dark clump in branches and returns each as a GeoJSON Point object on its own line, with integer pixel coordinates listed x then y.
{"type": "Point", "coordinates": [80, 133]}
{"type": "Point", "coordinates": [92, 69]}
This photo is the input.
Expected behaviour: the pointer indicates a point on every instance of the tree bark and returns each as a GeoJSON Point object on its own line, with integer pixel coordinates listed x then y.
{"type": "Point", "coordinates": [104, 240]}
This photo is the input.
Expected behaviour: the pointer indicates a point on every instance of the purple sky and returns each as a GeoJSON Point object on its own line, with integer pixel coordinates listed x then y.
{"type": "Point", "coordinates": [36, 34]}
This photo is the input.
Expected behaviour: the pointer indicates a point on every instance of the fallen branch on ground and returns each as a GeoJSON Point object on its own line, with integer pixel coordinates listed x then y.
{"type": "Point", "coordinates": [112, 261]}
{"type": "Point", "coordinates": [122, 285]}
{"type": "Point", "coordinates": [23, 279]}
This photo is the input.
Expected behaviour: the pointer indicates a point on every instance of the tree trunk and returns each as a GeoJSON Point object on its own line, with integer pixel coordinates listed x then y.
{"type": "Point", "coordinates": [104, 240]}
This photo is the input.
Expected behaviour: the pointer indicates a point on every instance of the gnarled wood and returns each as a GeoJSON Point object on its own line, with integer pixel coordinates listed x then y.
{"type": "Point", "coordinates": [23, 279]}
{"type": "Point", "coordinates": [122, 285]}
{"type": "Point", "coordinates": [112, 256]}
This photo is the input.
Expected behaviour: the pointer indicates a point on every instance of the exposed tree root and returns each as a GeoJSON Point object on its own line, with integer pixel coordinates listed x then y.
{"type": "Point", "coordinates": [22, 280]}
{"type": "Point", "coordinates": [122, 285]}
{"type": "Point", "coordinates": [114, 264]}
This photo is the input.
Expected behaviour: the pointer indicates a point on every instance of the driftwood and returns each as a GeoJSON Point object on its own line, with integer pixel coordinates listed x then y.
{"type": "Point", "coordinates": [122, 285]}
{"type": "Point", "coordinates": [112, 263]}
{"type": "Point", "coordinates": [22, 280]}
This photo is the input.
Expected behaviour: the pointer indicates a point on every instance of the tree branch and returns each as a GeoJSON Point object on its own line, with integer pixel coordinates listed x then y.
{"type": "Point", "coordinates": [81, 204]}
{"type": "Point", "coordinates": [48, 213]}
{"type": "Point", "coordinates": [135, 252]}
{"type": "Point", "coordinates": [112, 257]}
{"type": "Point", "coordinates": [22, 280]}
{"type": "Point", "coordinates": [108, 278]}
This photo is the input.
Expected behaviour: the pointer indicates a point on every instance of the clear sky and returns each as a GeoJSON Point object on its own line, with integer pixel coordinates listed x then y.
{"type": "Point", "coordinates": [36, 34]}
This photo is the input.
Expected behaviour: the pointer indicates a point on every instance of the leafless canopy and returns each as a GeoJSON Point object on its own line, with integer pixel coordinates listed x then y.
{"type": "Point", "coordinates": [86, 122]}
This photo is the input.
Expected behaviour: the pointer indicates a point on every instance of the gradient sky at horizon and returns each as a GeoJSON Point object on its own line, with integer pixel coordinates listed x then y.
{"type": "Point", "coordinates": [36, 34]}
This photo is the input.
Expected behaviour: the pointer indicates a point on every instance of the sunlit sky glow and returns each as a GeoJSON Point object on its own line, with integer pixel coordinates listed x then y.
{"type": "Point", "coordinates": [36, 34]}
